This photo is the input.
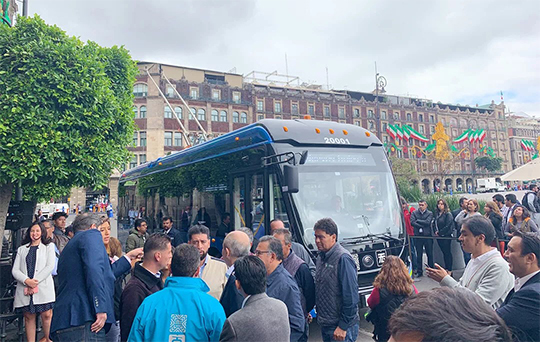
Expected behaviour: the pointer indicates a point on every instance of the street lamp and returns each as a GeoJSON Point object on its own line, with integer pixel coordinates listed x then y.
{"type": "Point", "coordinates": [380, 82]}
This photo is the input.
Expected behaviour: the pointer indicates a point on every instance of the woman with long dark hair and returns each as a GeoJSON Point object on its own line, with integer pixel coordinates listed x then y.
{"type": "Point", "coordinates": [32, 269]}
{"type": "Point", "coordinates": [391, 287]}
{"type": "Point", "coordinates": [520, 220]}
{"type": "Point", "coordinates": [443, 226]}
{"type": "Point", "coordinates": [492, 212]}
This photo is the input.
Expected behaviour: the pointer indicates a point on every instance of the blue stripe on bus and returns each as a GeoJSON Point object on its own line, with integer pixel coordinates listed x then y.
{"type": "Point", "coordinates": [250, 136]}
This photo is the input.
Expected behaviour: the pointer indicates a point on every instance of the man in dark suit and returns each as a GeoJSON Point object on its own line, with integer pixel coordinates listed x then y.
{"type": "Point", "coordinates": [521, 309]}
{"type": "Point", "coordinates": [84, 303]}
{"type": "Point", "coordinates": [235, 246]}
{"type": "Point", "coordinates": [421, 222]}
{"type": "Point", "coordinates": [262, 318]}
{"type": "Point", "coordinates": [173, 233]}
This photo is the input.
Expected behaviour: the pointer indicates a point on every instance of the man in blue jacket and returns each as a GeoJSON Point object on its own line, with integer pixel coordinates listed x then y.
{"type": "Point", "coordinates": [280, 284]}
{"type": "Point", "coordinates": [182, 311]}
{"type": "Point", "coordinates": [521, 309]}
{"type": "Point", "coordinates": [84, 303]}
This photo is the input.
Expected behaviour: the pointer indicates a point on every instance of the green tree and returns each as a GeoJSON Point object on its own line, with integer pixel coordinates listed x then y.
{"type": "Point", "coordinates": [65, 106]}
{"type": "Point", "coordinates": [489, 163]}
{"type": "Point", "coordinates": [405, 172]}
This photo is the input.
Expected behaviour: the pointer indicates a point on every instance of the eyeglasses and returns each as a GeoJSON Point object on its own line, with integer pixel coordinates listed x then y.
{"type": "Point", "coordinates": [258, 253]}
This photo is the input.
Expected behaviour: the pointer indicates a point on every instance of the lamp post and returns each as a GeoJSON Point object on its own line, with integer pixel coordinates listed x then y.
{"type": "Point", "coordinates": [380, 81]}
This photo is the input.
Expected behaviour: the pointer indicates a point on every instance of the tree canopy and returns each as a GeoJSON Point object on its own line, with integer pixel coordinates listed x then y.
{"type": "Point", "coordinates": [489, 163]}
{"type": "Point", "coordinates": [66, 110]}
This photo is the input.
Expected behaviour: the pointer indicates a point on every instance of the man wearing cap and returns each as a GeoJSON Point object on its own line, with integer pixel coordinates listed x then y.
{"type": "Point", "coordinates": [60, 238]}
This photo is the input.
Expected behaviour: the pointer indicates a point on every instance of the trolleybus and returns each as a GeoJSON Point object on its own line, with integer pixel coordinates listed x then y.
{"type": "Point", "coordinates": [298, 171]}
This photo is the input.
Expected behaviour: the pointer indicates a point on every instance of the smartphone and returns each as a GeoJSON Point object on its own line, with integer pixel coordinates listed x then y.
{"type": "Point", "coordinates": [427, 266]}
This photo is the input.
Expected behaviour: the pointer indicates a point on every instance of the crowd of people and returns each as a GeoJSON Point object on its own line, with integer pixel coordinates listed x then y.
{"type": "Point", "coordinates": [166, 287]}
{"type": "Point", "coordinates": [506, 214]}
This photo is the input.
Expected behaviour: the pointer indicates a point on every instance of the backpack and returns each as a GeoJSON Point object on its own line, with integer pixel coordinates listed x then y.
{"type": "Point", "coordinates": [380, 315]}
{"type": "Point", "coordinates": [535, 206]}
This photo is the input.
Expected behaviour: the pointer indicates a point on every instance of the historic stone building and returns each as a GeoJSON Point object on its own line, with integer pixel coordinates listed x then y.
{"type": "Point", "coordinates": [523, 132]}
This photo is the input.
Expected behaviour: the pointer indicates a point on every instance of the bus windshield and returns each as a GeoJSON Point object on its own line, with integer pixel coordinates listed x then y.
{"type": "Point", "coordinates": [353, 187]}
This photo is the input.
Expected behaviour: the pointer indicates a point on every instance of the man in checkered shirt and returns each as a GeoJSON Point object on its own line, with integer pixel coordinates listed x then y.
{"type": "Point", "coordinates": [183, 311]}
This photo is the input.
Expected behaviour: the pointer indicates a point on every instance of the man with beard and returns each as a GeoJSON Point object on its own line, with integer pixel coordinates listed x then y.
{"type": "Point", "coordinates": [212, 271]}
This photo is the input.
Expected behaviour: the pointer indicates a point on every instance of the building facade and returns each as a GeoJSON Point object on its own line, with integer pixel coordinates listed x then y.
{"type": "Point", "coordinates": [223, 102]}
{"type": "Point", "coordinates": [523, 132]}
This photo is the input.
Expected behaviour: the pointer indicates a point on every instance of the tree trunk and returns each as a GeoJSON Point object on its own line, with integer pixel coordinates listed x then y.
{"type": "Point", "coordinates": [6, 191]}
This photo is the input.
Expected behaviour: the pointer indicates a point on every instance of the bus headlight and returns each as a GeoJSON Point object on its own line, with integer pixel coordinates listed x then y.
{"type": "Point", "coordinates": [368, 261]}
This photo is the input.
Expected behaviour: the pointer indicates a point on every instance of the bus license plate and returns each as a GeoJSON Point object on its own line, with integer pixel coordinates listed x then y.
{"type": "Point", "coordinates": [381, 256]}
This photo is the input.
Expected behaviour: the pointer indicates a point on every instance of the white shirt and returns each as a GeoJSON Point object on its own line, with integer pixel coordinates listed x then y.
{"type": "Point", "coordinates": [521, 281]}
{"type": "Point", "coordinates": [475, 263]}
{"type": "Point", "coordinates": [230, 270]}
{"type": "Point", "coordinates": [245, 300]}
{"type": "Point", "coordinates": [201, 269]}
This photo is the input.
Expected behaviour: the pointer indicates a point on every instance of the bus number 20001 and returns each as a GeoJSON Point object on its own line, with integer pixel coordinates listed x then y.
{"type": "Point", "coordinates": [336, 141]}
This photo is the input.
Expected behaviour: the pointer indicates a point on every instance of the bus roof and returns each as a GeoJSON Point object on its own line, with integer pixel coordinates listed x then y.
{"type": "Point", "coordinates": [295, 132]}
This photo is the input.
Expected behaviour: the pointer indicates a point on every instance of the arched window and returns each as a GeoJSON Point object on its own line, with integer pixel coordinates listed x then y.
{"type": "Point", "coordinates": [409, 117]}
{"type": "Point", "coordinates": [482, 124]}
{"type": "Point", "coordinates": [135, 111]}
{"type": "Point", "coordinates": [140, 90]}
{"type": "Point", "coordinates": [178, 112]}
{"type": "Point", "coordinates": [194, 112]}
{"type": "Point", "coordinates": [223, 116]}
{"type": "Point", "coordinates": [142, 112]}
{"type": "Point", "coordinates": [453, 122]}
{"type": "Point", "coordinates": [463, 123]}
{"type": "Point", "coordinates": [235, 117]}
{"type": "Point", "coordinates": [167, 113]}
{"type": "Point", "coordinates": [473, 124]}
{"type": "Point", "coordinates": [491, 125]}
{"type": "Point", "coordinates": [243, 117]}
{"type": "Point", "coordinates": [215, 115]}
{"type": "Point", "coordinates": [201, 114]}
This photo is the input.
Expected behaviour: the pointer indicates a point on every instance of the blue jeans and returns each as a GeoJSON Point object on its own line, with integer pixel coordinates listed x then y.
{"type": "Point", "coordinates": [113, 335]}
{"type": "Point", "coordinates": [82, 333]}
{"type": "Point", "coordinates": [327, 333]}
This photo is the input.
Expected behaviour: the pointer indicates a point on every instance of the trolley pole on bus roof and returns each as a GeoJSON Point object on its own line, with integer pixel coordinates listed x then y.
{"type": "Point", "coordinates": [184, 135]}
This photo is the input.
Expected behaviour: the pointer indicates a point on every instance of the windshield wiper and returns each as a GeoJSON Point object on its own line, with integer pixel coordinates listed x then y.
{"type": "Point", "coordinates": [383, 236]}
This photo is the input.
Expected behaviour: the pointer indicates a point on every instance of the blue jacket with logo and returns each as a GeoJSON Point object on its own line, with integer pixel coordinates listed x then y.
{"type": "Point", "coordinates": [182, 311]}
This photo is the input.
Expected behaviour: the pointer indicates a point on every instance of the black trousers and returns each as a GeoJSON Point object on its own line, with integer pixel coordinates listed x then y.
{"type": "Point", "coordinates": [446, 248]}
{"type": "Point", "coordinates": [420, 244]}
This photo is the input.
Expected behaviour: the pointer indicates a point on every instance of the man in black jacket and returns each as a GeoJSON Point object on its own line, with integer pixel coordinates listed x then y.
{"type": "Point", "coordinates": [235, 246]}
{"type": "Point", "coordinates": [146, 279]}
{"type": "Point", "coordinates": [421, 222]}
{"type": "Point", "coordinates": [173, 233]}
{"type": "Point", "coordinates": [521, 309]}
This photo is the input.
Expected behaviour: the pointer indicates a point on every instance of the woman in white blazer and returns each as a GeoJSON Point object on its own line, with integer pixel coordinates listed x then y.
{"type": "Point", "coordinates": [32, 269]}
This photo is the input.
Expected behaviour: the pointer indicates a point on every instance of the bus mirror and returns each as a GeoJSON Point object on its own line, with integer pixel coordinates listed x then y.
{"type": "Point", "coordinates": [290, 184]}
{"type": "Point", "coordinates": [303, 157]}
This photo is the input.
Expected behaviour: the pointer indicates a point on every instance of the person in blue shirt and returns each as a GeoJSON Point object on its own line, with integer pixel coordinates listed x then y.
{"type": "Point", "coordinates": [183, 310]}
{"type": "Point", "coordinates": [280, 284]}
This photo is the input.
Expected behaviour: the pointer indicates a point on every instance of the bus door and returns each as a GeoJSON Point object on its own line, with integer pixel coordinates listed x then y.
{"type": "Point", "coordinates": [247, 192]}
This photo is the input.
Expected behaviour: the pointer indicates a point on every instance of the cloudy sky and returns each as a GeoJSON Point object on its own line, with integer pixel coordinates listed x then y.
{"type": "Point", "coordinates": [453, 51]}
